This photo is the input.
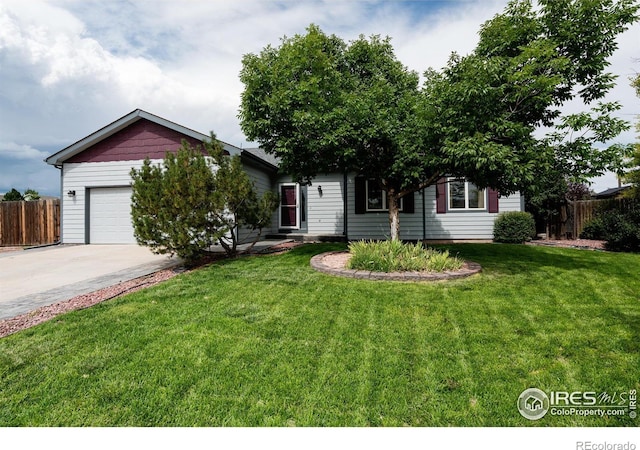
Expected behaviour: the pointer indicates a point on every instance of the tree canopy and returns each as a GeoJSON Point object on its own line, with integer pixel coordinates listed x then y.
{"type": "Point", "coordinates": [323, 105]}
{"type": "Point", "coordinates": [15, 196]}
{"type": "Point", "coordinates": [633, 173]}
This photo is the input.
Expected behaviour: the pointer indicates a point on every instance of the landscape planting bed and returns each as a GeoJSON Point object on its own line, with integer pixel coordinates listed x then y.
{"type": "Point", "coordinates": [334, 263]}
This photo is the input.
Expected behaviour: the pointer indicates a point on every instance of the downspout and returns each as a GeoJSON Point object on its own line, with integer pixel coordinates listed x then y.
{"type": "Point", "coordinates": [345, 209]}
{"type": "Point", "coordinates": [424, 217]}
{"type": "Point", "coordinates": [60, 167]}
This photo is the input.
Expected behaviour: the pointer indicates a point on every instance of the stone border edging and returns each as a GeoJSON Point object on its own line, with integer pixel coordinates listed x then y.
{"type": "Point", "coordinates": [469, 268]}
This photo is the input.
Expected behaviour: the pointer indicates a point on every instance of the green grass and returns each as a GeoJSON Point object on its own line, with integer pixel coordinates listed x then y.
{"type": "Point", "coordinates": [396, 256]}
{"type": "Point", "coordinates": [267, 341]}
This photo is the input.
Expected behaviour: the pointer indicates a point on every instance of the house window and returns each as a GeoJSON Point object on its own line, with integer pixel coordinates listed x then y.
{"type": "Point", "coordinates": [377, 198]}
{"type": "Point", "coordinates": [465, 195]}
{"type": "Point", "coordinates": [289, 206]}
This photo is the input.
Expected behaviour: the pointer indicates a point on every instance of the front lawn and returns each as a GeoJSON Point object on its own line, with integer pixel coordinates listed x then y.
{"type": "Point", "coordinates": [267, 341]}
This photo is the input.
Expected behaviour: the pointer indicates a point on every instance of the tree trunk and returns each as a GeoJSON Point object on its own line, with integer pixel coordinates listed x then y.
{"type": "Point", "coordinates": [230, 248]}
{"type": "Point", "coordinates": [394, 214]}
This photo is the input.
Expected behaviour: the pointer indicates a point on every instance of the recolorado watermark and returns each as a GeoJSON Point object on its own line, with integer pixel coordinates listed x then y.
{"type": "Point", "coordinates": [588, 445]}
{"type": "Point", "coordinates": [534, 404]}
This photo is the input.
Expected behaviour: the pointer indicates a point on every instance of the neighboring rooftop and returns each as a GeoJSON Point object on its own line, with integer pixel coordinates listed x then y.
{"type": "Point", "coordinates": [611, 192]}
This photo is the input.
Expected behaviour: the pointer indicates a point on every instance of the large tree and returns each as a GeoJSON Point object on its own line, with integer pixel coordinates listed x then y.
{"type": "Point", "coordinates": [13, 196]}
{"type": "Point", "coordinates": [323, 105]}
{"type": "Point", "coordinates": [633, 174]}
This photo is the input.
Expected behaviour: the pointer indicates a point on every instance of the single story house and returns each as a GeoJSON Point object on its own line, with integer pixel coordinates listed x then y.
{"type": "Point", "coordinates": [95, 185]}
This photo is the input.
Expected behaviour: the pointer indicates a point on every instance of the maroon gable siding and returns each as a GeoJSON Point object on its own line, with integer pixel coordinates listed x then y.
{"type": "Point", "coordinates": [137, 141]}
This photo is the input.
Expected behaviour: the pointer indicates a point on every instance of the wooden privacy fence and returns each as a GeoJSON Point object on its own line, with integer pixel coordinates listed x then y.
{"type": "Point", "coordinates": [29, 223]}
{"type": "Point", "coordinates": [572, 218]}
{"type": "Point", "coordinates": [583, 212]}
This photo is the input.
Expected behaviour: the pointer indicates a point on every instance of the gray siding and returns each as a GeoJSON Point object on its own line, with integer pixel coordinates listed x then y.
{"type": "Point", "coordinates": [452, 225]}
{"type": "Point", "coordinates": [261, 179]}
{"type": "Point", "coordinates": [376, 225]}
{"type": "Point", "coordinates": [324, 212]}
{"type": "Point", "coordinates": [464, 224]}
{"type": "Point", "coordinates": [82, 176]}
{"type": "Point", "coordinates": [262, 183]}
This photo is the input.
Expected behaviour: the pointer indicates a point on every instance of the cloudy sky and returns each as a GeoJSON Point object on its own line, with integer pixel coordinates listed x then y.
{"type": "Point", "coordinates": [70, 67]}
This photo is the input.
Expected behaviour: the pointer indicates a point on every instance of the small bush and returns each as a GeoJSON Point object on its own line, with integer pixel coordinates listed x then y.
{"type": "Point", "coordinates": [514, 227]}
{"type": "Point", "coordinates": [594, 229]}
{"type": "Point", "coordinates": [619, 227]}
{"type": "Point", "coordinates": [394, 256]}
{"type": "Point", "coordinates": [621, 230]}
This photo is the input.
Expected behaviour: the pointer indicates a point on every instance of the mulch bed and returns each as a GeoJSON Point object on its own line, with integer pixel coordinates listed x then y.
{"type": "Point", "coordinates": [586, 244]}
{"type": "Point", "coordinates": [280, 248]}
{"type": "Point", "coordinates": [44, 313]}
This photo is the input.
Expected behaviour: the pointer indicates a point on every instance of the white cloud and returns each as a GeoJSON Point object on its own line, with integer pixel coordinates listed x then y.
{"type": "Point", "coordinates": [20, 151]}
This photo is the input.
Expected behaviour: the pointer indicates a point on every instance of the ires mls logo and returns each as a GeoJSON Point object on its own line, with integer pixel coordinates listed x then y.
{"type": "Point", "coordinates": [577, 398]}
{"type": "Point", "coordinates": [534, 404]}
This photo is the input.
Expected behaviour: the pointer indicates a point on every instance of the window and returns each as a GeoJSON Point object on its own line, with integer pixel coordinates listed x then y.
{"type": "Point", "coordinates": [377, 197]}
{"type": "Point", "coordinates": [465, 195]}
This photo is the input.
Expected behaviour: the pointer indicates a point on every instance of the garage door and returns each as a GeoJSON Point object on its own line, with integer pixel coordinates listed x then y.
{"type": "Point", "coordinates": [110, 216]}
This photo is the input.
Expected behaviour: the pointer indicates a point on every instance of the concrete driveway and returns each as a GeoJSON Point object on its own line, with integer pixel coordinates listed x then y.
{"type": "Point", "coordinates": [33, 278]}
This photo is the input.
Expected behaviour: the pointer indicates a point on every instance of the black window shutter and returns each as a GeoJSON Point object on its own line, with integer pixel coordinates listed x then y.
{"type": "Point", "coordinates": [408, 203]}
{"type": "Point", "coordinates": [441, 196]}
{"type": "Point", "coordinates": [361, 195]}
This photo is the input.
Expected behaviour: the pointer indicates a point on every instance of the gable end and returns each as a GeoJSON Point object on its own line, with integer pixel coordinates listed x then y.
{"type": "Point", "coordinates": [138, 141]}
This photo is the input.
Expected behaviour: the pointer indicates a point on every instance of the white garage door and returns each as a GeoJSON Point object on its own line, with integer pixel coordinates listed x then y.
{"type": "Point", "coordinates": [110, 216]}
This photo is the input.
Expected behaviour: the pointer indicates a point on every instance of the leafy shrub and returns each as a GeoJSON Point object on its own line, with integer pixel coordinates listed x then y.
{"type": "Point", "coordinates": [620, 228]}
{"type": "Point", "coordinates": [394, 256]}
{"type": "Point", "coordinates": [593, 229]}
{"type": "Point", "coordinates": [624, 235]}
{"type": "Point", "coordinates": [514, 227]}
{"type": "Point", "coordinates": [13, 196]}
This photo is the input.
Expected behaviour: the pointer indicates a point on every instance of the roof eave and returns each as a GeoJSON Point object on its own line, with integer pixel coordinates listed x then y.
{"type": "Point", "coordinates": [256, 159]}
